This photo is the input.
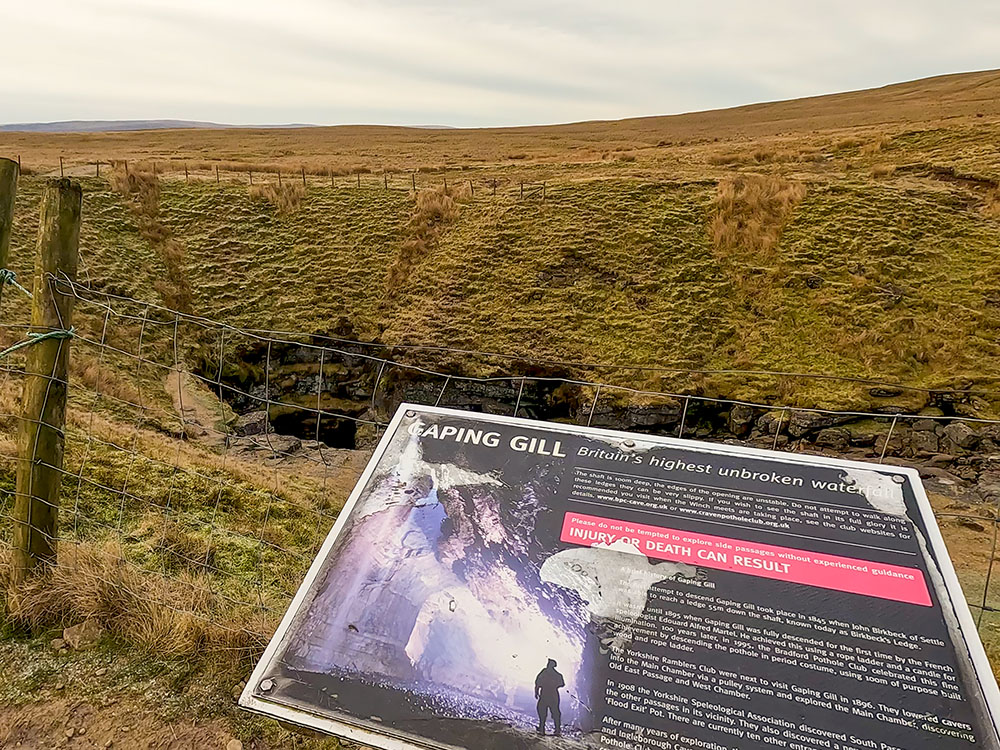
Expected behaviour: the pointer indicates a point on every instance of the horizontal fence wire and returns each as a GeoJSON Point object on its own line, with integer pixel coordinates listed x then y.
{"type": "Point", "coordinates": [184, 499]}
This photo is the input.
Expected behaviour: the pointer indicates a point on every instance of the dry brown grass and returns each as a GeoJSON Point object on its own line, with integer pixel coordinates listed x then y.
{"type": "Point", "coordinates": [433, 209]}
{"type": "Point", "coordinates": [883, 170]}
{"type": "Point", "coordinates": [348, 149]}
{"type": "Point", "coordinates": [176, 616]}
{"type": "Point", "coordinates": [286, 197]}
{"type": "Point", "coordinates": [142, 190]}
{"type": "Point", "coordinates": [750, 213]}
{"type": "Point", "coordinates": [992, 206]}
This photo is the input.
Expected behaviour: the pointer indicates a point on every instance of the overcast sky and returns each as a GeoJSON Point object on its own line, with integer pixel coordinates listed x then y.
{"type": "Point", "coordinates": [465, 63]}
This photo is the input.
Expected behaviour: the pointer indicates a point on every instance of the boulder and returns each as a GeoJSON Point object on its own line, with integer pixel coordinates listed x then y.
{"type": "Point", "coordinates": [740, 419]}
{"type": "Point", "coordinates": [801, 423]}
{"type": "Point", "coordinates": [961, 435]}
{"type": "Point", "coordinates": [925, 425]}
{"type": "Point", "coordinates": [83, 636]}
{"type": "Point", "coordinates": [280, 444]}
{"type": "Point", "coordinates": [923, 441]}
{"type": "Point", "coordinates": [835, 438]}
{"type": "Point", "coordinates": [254, 423]}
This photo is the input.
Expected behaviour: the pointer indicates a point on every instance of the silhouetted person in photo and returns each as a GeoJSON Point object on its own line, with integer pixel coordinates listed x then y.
{"type": "Point", "coordinates": [547, 686]}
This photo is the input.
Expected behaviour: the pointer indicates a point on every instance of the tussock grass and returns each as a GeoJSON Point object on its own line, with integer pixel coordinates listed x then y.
{"type": "Point", "coordinates": [142, 190]}
{"type": "Point", "coordinates": [433, 209]}
{"type": "Point", "coordinates": [286, 197]}
{"type": "Point", "coordinates": [992, 205]}
{"type": "Point", "coordinates": [883, 170]}
{"type": "Point", "coordinates": [750, 214]}
{"type": "Point", "coordinates": [173, 616]}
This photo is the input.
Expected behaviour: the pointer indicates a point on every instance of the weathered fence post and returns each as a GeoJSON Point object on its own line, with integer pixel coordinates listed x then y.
{"type": "Point", "coordinates": [472, 190]}
{"type": "Point", "coordinates": [186, 179]}
{"type": "Point", "coordinates": [279, 178]}
{"type": "Point", "coordinates": [385, 180]}
{"type": "Point", "coordinates": [359, 179]}
{"type": "Point", "coordinates": [8, 190]}
{"type": "Point", "coordinates": [251, 176]}
{"type": "Point", "coordinates": [43, 403]}
{"type": "Point", "coordinates": [61, 167]}
{"type": "Point", "coordinates": [304, 177]}
{"type": "Point", "coordinates": [413, 179]}
{"type": "Point", "coordinates": [216, 175]}
{"type": "Point", "coordinates": [98, 168]}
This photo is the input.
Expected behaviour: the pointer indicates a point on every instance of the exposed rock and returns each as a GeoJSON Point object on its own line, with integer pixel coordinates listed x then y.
{"type": "Point", "coordinates": [801, 423]}
{"type": "Point", "coordinates": [923, 441]}
{"type": "Point", "coordinates": [942, 475]}
{"type": "Point", "coordinates": [83, 636]}
{"type": "Point", "coordinates": [280, 444]}
{"type": "Point", "coordinates": [57, 643]}
{"type": "Point", "coordinates": [941, 460]}
{"type": "Point", "coordinates": [234, 744]}
{"type": "Point", "coordinates": [741, 419]}
{"type": "Point", "coordinates": [970, 523]}
{"type": "Point", "coordinates": [884, 392]}
{"type": "Point", "coordinates": [836, 438]}
{"type": "Point", "coordinates": [961, 435]}
{"type": "Point", "coordinates": [890, 445]}
{"type": "Point", "coordinates": [925, 425]}
{"type": "Point", "coordinates": [254, 423]}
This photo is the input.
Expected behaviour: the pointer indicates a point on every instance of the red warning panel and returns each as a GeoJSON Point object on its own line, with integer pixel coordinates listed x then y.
{"type": "Point", "coordinates": [850, 575]}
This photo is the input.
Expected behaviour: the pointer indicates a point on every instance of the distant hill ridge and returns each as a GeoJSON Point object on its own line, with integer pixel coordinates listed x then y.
{"type": "Point", "coordinates": [119, 126]}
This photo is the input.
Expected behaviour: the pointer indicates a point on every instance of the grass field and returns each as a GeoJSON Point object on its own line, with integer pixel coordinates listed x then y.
{"type": "Point", "coordinates": [855, 235]}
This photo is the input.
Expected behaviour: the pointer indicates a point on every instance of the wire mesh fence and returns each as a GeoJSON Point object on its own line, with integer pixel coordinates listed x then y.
{"type": "Point", "coordinates": [204, 464]}
{"type": "Point", "coordinates": [471, 182]}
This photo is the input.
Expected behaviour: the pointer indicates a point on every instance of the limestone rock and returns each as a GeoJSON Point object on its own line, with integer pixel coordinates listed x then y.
{"type": "Point", "coordinates": [254, 423]}
{"type": "Point", "coordinates": [961, 435]}
{"type": "Point", "coordinates": [740, 419]}
{"type": "Point", "coordinates": [83, 636]}
{"type": "Point", "coordinates": [923, 441]}
{"type": "Point", "coordinates": [834, 437]}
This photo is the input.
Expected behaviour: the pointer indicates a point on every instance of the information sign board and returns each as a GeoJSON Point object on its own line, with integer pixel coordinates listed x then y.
{"type": "Point", "coordinates": [499, 583]}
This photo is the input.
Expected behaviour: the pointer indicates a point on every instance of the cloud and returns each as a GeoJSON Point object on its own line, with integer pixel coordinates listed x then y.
{"type": "Point", "coordinates": [469, 63]}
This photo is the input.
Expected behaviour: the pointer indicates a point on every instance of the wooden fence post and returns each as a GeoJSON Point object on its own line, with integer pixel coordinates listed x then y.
{"type": "Point", "coordinates": [359, 179]}
{"type": "Point", "coordinates": [126, 166]}
{"type": "Point", "coordinates": [279, 178]}
{"type": "Point", "coordinates": [43, 403]}
{"type": "Point", "coordinates": [61, 167]}
{"type": "Point", "coordinates": [413, 179]}
{"type": "Point", "coordinates": [472, 190]}
{"type": "Point", "coordinates": [186, 173]}
{"type": "Point", "coordinates": [216, 174]}
{"type": "Point", "coordinates": [98, 167]}
{"type": "Point", "coordinates": [304, 177]}
{"type": "Point", "coordinates": [251, 175]}
{"type": "Point", "coordinates": [8, 190]}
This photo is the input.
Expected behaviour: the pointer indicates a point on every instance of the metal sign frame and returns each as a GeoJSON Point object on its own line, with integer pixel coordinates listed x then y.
{"type": "Point", "coordinates": [951, 595]}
